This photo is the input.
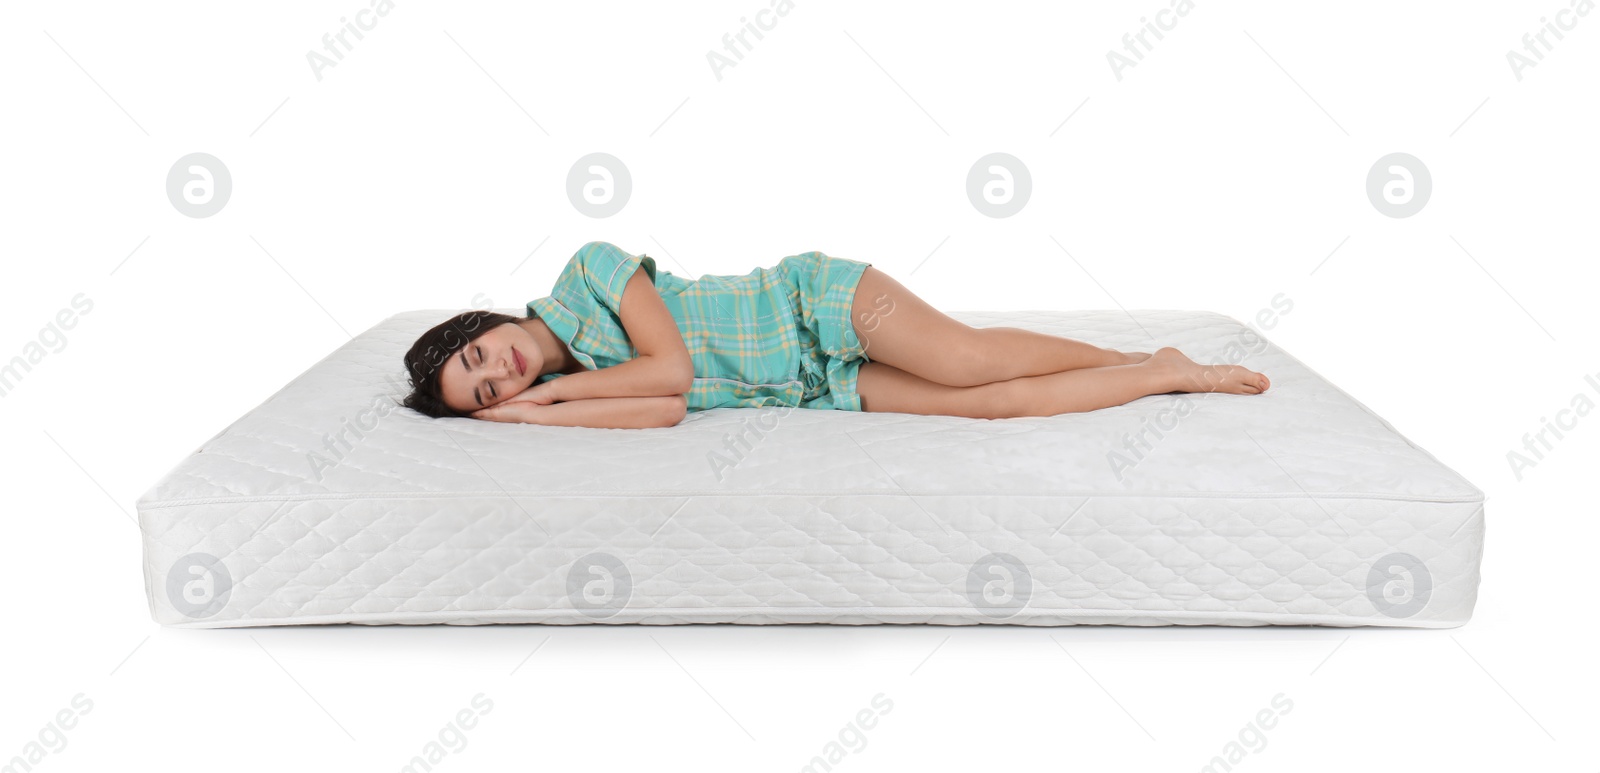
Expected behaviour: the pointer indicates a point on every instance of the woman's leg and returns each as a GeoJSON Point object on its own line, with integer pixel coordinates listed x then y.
{"type": "Point", "coordinates": [900, 329]}
{"type": "Point", "coordinates": [885, 388]}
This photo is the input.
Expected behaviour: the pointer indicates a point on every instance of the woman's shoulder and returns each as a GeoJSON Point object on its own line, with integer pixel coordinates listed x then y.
{"type": "Point", "coordinates": [601, 262]}
{"type": "Point", "coordinates": [600, 253]}
{"type": "Point", "coordinates": [598, 273]}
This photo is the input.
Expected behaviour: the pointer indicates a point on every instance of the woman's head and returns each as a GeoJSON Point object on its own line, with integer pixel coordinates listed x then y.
{"type": "Point", "coordinates": [470, 361]}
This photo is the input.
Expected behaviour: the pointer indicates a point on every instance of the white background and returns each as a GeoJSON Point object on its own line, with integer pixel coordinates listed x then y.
{"type": "Point", "coordinates": [429, 166]}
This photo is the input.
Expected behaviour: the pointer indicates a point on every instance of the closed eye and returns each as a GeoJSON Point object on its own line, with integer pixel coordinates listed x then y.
{"type": "Point", "coordinates": [492, 391]}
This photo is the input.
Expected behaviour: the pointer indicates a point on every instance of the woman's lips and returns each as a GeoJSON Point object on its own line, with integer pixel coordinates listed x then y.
{"type": "Point", "coordinates": [522, 367]}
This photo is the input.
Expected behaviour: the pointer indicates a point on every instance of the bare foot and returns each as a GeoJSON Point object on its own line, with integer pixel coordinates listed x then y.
{"type": "Point", "coordinates": [1186, 375]}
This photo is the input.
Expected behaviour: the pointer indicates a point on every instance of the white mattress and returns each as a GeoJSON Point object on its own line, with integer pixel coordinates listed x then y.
{"type": "Point", "coordinates": [1298, 506]}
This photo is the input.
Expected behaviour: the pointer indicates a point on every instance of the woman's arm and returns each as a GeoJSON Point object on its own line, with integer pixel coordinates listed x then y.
{"type": "Point", "coordinates": [599, 412]}
{"type": "Point", "coordinates": [662, 366]}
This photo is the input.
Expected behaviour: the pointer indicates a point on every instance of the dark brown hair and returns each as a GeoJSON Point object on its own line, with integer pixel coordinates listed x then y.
{"type": "Point", "coordinates": [434, 348]}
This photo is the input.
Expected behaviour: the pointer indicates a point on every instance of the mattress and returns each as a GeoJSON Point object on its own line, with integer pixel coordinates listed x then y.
{"type": "Point", "coordinates": [328, 503]}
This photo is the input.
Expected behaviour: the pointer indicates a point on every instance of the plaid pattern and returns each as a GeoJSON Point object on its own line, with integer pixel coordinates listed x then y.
{"type": "Point", "coordinates": [777, 336]}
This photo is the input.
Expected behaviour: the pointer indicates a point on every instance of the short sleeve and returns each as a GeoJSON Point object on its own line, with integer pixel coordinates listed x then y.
{"type": "Point", "coordinates": [584, 309]}
{"type": "Point", "coordinates": [606, 269]}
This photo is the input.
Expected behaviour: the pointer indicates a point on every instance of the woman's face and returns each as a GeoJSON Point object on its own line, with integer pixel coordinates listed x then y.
{"type": "Point", "coordinates": [496, 365]}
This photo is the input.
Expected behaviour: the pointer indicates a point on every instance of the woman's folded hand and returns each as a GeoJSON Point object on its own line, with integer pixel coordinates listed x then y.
{"type": "Point", "coordinates": [518, 412]}
{"type": "Point", "coordinates": [538, 394]}
{"type": "Point", "coordinates": [603, 412]}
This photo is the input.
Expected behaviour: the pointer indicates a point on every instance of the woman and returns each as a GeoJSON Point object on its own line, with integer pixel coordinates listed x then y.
{"type": "Point", "coordinates": [613, 346]}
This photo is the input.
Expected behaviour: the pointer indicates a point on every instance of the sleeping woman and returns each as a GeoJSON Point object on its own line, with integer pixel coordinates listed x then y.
{"type": "Point", "coordinates": [616, 346]}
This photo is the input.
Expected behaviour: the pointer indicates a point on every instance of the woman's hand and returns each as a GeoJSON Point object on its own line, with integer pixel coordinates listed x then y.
{"type": "Point", "coordinates": [602, 412]}
{"type": "Point", "coordinates": [519, 412]}
{"type": "Point", "coordinates": [538, 394]}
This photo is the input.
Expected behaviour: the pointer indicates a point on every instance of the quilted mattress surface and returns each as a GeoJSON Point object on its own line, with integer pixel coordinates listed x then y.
{"type": "Point", "coordinates": [328, 503]}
